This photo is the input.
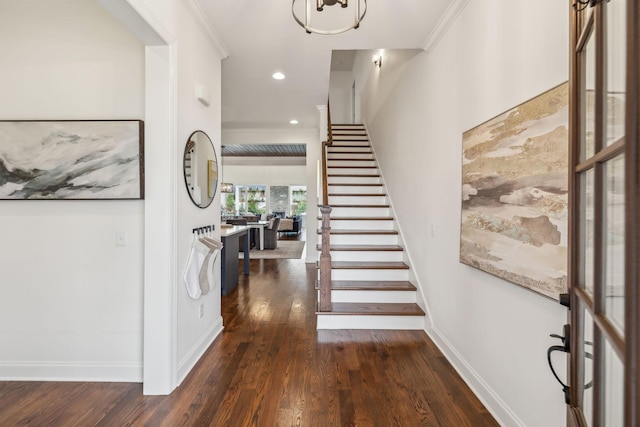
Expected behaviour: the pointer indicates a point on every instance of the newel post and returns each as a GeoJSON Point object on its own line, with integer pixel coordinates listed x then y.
{"type": "Point", "coordinates": [325, 261]}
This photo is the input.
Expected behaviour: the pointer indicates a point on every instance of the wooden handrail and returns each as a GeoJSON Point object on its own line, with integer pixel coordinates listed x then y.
{"type": "Point", "coordinates": [325, 178]}
{"type": "Point", "coordinates": [325, 144]}
{"type": "Point", "coordinates": [329, 134]}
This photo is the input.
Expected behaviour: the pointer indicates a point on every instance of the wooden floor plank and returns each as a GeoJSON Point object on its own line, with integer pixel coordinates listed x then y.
{"type": "Point", "coordinates": [271, 367]}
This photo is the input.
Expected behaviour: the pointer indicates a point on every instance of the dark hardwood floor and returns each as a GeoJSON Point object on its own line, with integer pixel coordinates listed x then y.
{"type": "Point", "coordinates": [270, 367]}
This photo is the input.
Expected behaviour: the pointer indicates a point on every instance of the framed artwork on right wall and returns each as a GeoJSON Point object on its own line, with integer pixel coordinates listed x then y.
{"type": "Point", "coordinates": [515, 194]}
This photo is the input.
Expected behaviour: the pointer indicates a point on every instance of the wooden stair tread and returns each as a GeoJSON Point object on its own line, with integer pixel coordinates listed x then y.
{"type": "Point", "coordinates": [333, 205]}
{"type": "Point", "coordinates": [351, 175]}
{"type": "Point", "coordinates": [360, 218]}
{"type": "Point", "coordinates": [369, 265]}
{"type": "Point", "coordinates": [347, 184]}
{"type": "Point", "coordinates": [347, 124]}
{"type": "Point", "coordinates": [350, 159]}
{"type": "Point", "coordinates": [359, 206]}
{"type": "Point", "coordinates": [390, 285]}
{"type": "Point", "coordinates": [352, 167]}
{"type": "Point", "coordinates": [380, 309]}
{"type": "Point", "coordinates": [345, 231]}
{"type": "Point", "coordinates": [357, 194]}
{"type": "Point", "coordinates": [349, 152]}
{"type": "Point", "coordinates": [371, 285]}
{"type": "Point", "coordinates": [367, 248]}
{"type": "Point", "coordinates": [348, 146]}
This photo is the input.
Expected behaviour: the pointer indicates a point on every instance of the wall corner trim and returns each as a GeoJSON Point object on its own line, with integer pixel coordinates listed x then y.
{"type": "Point", "coordinates": [489, 398]}
{"type": "Point", "coordinates": [448, 18]}
{"type": "Point", "coordinates": [198, 14]}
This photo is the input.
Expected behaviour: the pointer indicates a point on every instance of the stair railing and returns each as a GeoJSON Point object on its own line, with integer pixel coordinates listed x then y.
{"type": "Point", "coordinates": [324, 298]}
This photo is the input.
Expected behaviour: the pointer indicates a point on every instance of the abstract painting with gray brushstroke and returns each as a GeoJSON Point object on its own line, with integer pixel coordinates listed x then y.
{"type": "Point", "coordinates": [71, 160]}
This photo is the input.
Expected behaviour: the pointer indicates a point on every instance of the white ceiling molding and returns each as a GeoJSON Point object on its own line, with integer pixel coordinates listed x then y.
{"type": "Point", "coordinates": [197, 13]}
{"type": "Point", "coordinates": [444, 23]}
{"type": "Point", "coordinates": [136, 16]}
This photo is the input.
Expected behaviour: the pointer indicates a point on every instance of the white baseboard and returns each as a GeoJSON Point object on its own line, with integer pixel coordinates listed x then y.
{"type": "Point", "coordinates": [496, 406]}
{"type": "Point", "coordinates": [71, 371]}
{"type": "Point", "coordinates": [189, 361]}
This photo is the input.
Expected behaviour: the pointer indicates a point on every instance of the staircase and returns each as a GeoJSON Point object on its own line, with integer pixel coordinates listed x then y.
{"type": "Point", "coordinates": [370, 287]}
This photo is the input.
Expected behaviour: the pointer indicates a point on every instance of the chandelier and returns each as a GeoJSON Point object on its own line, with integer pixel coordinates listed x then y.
{"type": "Point", "coordinates": [360, 9]}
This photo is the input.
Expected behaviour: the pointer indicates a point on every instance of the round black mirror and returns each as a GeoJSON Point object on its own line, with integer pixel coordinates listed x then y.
{"type": "Point", "coordinates": [200, 167]}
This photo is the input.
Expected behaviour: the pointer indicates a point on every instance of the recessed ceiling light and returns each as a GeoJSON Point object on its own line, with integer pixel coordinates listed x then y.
{"type": "Point", "coordinates": [278, 76]}
{"type": "Point", "coordinates": [293, 122]}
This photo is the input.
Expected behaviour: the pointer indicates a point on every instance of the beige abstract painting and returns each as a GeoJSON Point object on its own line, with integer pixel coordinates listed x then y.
{"type": "Point", "coordinates": [514, 194]}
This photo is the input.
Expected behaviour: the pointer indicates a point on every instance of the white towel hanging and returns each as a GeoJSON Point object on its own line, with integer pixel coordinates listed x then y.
{"type": "Point", "coordinates": [195, 262]}
{"type": "Point", "coordinates": [214, 247]}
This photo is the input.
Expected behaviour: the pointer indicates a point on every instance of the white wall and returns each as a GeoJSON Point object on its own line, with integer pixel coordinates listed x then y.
{"type": "Point", "coordinates": [80, 314]}
{"type": "Point", "coordinates": [340, 90]}
{"type": "Point", "coordinates": [70, 300]}
{"type": "Point", "coordinates": [198, 63]}
{"type": "Point", "coordinates": [496, 55]}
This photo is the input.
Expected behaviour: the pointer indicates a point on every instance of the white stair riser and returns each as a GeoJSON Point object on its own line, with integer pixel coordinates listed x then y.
{"type": "Point", "coordinates": [375, 256]}
{"type": "Point", "coordinates": [336, 321]}
{"type": "Point", "coordinates": [354, 180]}
{"type": "Point", "coordinates": [357, 200]}
{"type": "Point", "coordinates": [362, 274]}
{"type": "Point", "coordinates": [364, 156]}
{"type": "Point", "coordinates": [364, 212]}
{"type": "Point", "coordinates": [367, 239]}
{"type": "Point", "coordinates": [353, 171]}
{"type": "Point", "coordinates": [355, 211]}
{"type": "Point", "coordinates": [356, 189]}
{"type": "Point", "coordinates": [373, 296]}
{"type": "Point", "coordinates": [360, 225]}
{"type": "Point", "coordinates": [350, 163]}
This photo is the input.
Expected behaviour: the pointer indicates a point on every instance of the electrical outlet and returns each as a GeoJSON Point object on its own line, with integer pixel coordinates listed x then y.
{"type": "Point", "coordinates": [121, 238]}
{"type": "Point", "coordinates": [201, 311]}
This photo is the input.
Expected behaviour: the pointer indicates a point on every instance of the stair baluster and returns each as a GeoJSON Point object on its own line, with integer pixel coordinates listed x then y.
{"type": "Point", "coordinates": [325, 261]}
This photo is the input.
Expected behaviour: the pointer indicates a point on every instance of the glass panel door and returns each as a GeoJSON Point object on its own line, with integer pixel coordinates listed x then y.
{"type": "Point", "coordinates": [603, 277]}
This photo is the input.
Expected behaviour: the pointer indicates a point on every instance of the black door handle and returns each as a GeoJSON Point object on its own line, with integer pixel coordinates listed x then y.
{"type": "Point", "coordinates": [565, 348]}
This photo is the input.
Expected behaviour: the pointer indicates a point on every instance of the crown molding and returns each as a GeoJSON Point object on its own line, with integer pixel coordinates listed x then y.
{"type": "Point", "coordinates": [138, 18]}
{"type": "Point", "coordinates": [448, 18]}
{"type": "Point", "coordinates": [197, 13]}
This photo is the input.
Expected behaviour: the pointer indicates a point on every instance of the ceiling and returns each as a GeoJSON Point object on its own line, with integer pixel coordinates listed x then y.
{"type": "Point", "coordinates": [261, 38]}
